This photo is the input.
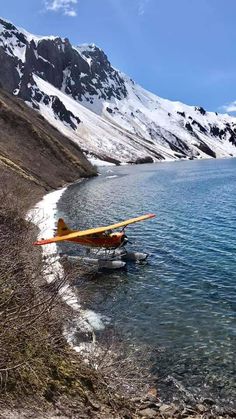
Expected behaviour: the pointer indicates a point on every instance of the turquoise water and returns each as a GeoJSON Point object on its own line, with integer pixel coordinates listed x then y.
{"type": "Point", "coordinates": [182, 303]}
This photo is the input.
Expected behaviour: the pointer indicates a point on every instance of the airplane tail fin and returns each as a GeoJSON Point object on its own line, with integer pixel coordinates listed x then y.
{"type": "Point", "coordinates": [62, 228]}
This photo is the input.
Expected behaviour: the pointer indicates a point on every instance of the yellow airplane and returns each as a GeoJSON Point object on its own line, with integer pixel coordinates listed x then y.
{"type": "Point", "coordinates": [100, 237]}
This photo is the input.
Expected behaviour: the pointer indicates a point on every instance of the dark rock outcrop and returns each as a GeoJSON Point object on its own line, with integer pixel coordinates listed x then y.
{"type": "Point", "coordinates": [61, 111]}
{"type": "Point", "coordinates": [76, 71]}
{"type": "Point", "coordinates": [201, 110]}
{"type": "Point", "coordinates": [144, 160]}
{"type": "Point", "coordinates": [189, 127]}
{"type": "Point", "coordinates": [206, 149]}
{"type": "Point", "coordinates": [201, 128]}
{"type": "Point", "coordinates": [181, 113]}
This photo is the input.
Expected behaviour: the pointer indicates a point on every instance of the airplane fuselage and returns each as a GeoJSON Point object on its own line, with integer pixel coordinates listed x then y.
{"type": "Point", "coordinates": [106, 241]}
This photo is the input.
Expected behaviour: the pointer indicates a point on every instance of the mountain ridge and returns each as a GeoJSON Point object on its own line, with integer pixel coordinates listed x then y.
{"type": "Point", "coordinates": [111, 117]}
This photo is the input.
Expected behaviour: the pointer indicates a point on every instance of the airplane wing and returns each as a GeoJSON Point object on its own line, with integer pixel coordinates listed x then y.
{"type": "Point", "coordinates": [91, 231]}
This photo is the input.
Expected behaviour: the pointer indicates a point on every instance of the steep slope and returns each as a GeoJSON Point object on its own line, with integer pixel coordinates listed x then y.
{"type": "Point", "coordinates": [32, 149]}
{"type": "Point", "coordinates": [103, 110]}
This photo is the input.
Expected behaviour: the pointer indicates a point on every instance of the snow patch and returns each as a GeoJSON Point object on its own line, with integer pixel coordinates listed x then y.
{"type": "Point", "coordinates": [44, 216]}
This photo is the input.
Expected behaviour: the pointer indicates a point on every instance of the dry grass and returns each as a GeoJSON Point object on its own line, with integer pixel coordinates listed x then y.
{"type": "Point", "coordinates": [29, 327]}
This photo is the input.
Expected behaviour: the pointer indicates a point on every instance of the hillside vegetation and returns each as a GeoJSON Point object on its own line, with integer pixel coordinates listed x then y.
{"type": "Point", "coordinates": [34, 150]}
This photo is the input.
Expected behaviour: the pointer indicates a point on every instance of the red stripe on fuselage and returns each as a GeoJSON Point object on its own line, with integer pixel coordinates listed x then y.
{"type": "Point", "coordinates": [110, 241]}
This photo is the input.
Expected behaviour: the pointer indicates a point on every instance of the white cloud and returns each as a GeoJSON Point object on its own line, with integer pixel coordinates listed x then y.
{"type": "Point", "coordinates": [71, 13]}
{"type": "Point", "coordinates": [230, 107]}
{"type": "Point", "coordinates": [67, 7]}
{"type": "Point", "coordinates": [142, 7]}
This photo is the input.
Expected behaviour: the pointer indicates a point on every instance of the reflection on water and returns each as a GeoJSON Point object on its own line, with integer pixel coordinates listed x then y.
{"type": "Point", "coordinates": [183, 301]}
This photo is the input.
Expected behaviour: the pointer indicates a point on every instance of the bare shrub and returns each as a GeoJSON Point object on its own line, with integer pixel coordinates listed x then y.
{"type": "Point", "coordinates": [125, 367]}
{"type": "Point", "coordinates": [30, 328]}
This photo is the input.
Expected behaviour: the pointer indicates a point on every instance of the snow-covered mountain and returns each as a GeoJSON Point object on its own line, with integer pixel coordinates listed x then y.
{"type": "Point", "coordinates": [111, 117]}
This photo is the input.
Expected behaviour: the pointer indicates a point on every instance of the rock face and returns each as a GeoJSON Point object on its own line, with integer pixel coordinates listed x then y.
{"type": "Point", "coordinates": [103, 110]}
{"type": "Point", "coordinates": [78, 72]}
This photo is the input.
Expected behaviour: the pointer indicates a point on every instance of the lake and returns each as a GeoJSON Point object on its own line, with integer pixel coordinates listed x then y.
{"type": "Point", "coordinates": [183, 301]}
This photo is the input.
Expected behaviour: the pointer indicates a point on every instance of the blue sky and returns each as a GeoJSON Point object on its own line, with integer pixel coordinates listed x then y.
{"type": "Point", "coordinates": [179, 49]}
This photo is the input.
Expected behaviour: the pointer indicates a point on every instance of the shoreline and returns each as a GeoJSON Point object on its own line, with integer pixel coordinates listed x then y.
{"type": "Point", "coordinates": [97, 162]}
{"type": "Point", "coordinates": [43, 215]}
